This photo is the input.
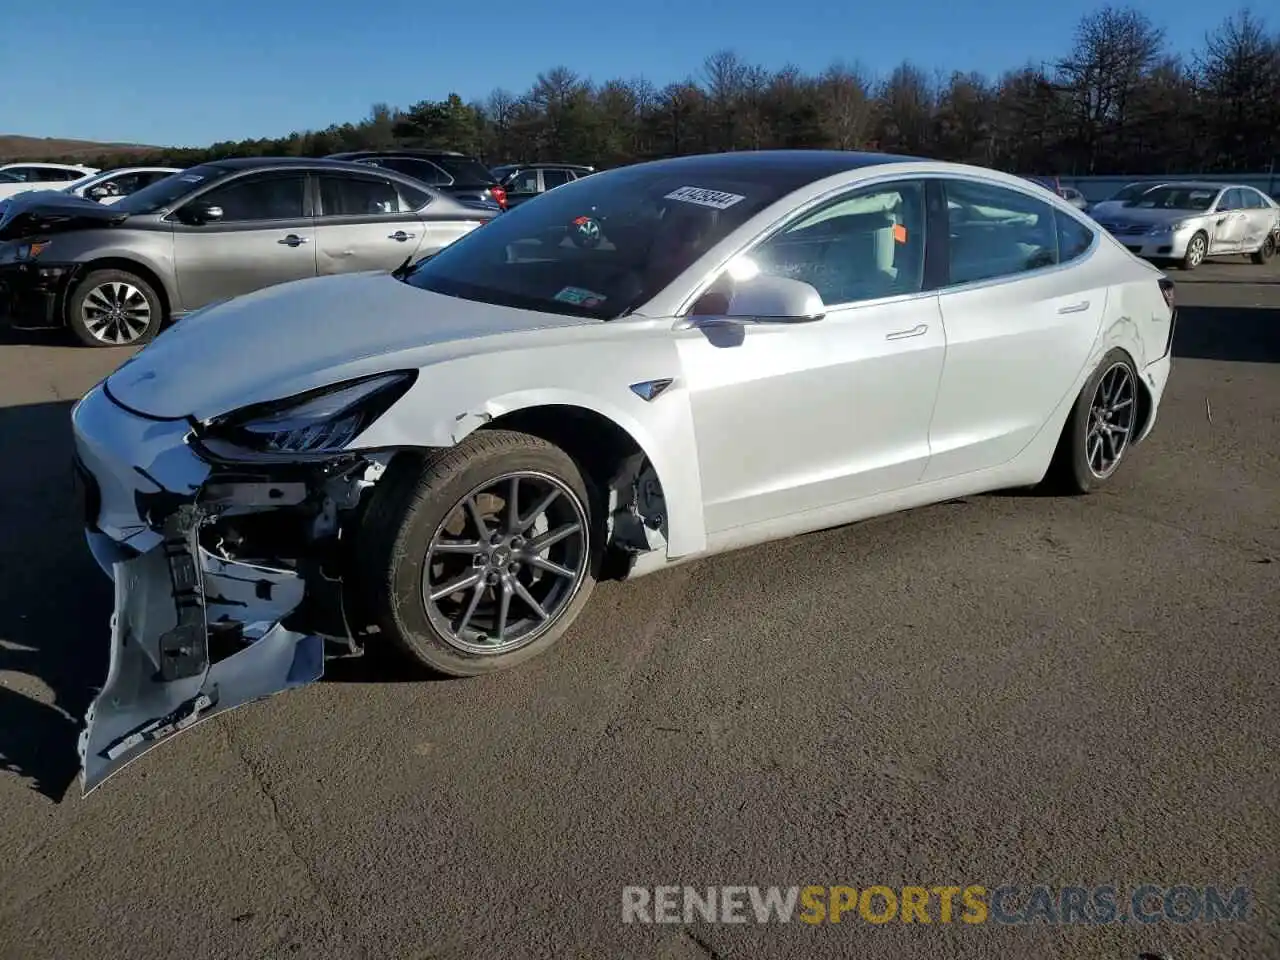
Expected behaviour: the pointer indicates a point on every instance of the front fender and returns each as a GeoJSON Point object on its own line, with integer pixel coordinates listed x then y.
{"type": "Point", "coordinates": [451, 400]}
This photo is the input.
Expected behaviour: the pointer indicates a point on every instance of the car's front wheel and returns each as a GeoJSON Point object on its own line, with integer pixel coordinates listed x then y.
{"type": "Point", "coordinates": [481, 557]}
{"type": "Point", "coordinates": [114, 308]}
{"type": "Point", "coordinates": [1100, 428]}
{"type": "Point", "coordinates": [1197, 250]}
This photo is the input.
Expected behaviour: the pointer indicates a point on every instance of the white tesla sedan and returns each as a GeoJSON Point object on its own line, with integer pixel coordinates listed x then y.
{"type": "Point", "coordinates": [646, 366]}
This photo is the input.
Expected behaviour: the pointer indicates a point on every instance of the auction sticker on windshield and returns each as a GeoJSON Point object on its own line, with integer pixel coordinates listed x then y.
{"type": "Point", "coordinates": [580, 297]}
{"type": "Point", "coordinates": [717, 199]}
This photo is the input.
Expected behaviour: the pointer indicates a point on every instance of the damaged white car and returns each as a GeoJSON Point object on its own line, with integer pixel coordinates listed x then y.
{"type": "Point", "coordinates": [647, 366]}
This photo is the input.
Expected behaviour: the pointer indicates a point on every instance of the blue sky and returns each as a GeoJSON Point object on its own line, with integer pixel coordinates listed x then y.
{"type": "Point", "coordinates": [192, 73]}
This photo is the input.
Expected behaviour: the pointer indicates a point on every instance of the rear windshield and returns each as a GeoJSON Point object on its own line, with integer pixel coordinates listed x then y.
{"type": "Point", "coordinates": [465, 169]}
{"type": "Point", "coordinates": [168, 190]}
{"type": "Point", "coordinates": [1175, 198]}
{"type": "Point", "coordinates": [597, 247]}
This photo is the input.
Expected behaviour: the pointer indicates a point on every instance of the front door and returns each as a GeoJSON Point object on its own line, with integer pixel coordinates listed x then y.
{"type": "Point", "coordinates": [265, 236]}
{"type": "Point", "coordinates": [792, 418]}
{"type": "Point", "coordinates": [1229, 223]}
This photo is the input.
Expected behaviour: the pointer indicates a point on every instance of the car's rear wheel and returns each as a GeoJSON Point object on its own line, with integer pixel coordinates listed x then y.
{"type": "Point", "coordinates": [1100, 428]}
{"type": "Point", "coordinates": [114, 308]}
{"type": "Point", "coordinates": [1266, 251]}
{"type": "Point", "coordinates": [482, 557]}
{"type": "Point", "coordinates": [1197, 250]}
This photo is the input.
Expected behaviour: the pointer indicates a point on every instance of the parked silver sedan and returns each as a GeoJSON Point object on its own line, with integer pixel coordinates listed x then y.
{"type": "Point", "coordinates": [114, 274]}
{"type": "Point", "coordinates": [1191, 221]}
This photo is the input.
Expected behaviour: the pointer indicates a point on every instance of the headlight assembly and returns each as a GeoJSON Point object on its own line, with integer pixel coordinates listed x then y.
{"type": "Point", "coordinates": [315, 424]}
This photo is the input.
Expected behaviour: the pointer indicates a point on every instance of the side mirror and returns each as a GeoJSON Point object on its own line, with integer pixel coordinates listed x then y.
{"type": "Point", "coordinates": [197, 213]}
{"type": "Point", "coordinates": [764, 299]}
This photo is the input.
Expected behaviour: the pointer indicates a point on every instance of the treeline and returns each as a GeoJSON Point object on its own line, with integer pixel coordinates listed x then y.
{"type": "Point", "coordinates": [1119, 102]}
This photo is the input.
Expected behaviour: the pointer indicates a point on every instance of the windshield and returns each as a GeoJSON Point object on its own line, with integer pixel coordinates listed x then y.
{"type": "Point", "coordinates": [597, 247]}
{"type": "Point", "coordinates": [164, 192]}
{"type": "Point", "coordinates": [1175, 198]}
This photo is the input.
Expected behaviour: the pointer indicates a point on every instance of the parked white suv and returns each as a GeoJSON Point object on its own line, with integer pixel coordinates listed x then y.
{"type": "Point", "coordinates": [20, 177]}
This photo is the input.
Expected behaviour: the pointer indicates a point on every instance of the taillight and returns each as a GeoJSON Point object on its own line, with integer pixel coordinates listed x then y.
{"type": "Point", "coordinates": [1166, 288]}
{"type": "Point", "coordinates": [499, 195]}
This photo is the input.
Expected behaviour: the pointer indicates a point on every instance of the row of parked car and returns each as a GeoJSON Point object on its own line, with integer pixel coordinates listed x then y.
{"type": "Point", "coordinates": [1184, 221]}
{"type": "Point", "coordinates": [113, 255]}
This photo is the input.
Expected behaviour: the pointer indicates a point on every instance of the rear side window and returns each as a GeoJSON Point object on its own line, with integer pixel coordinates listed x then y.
{"type": "Point", "coordinates": [555, 178]}
{"type": "Point", "coordinates": [1074, 238]}
{"type": "Point", "coordinates": [357, 197]}
{"type": "Point", "coordinates": [996, 232]}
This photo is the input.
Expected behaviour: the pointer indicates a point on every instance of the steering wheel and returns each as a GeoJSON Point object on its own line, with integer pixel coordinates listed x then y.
{"type": "Point", "coordinates": [585, 232]}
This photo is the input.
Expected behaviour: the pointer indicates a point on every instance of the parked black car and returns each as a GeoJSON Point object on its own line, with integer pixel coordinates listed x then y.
{"type": "Point", "coordinates": [462, 177]}
{"type": "Point", "coordinates": [524, 181]}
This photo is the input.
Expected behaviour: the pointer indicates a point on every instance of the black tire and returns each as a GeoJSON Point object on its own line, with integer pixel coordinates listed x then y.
{"type": "Point", "coordinates": [1069, 471]}
{"type": "Point", "coordinates": [132, 335]}
{"type": "Point", "coordinates": [410, 504]}
{"type": "Point", "coordinates": [1190, 261]}
{"type": "Point", "coordinates": [1266, 251]}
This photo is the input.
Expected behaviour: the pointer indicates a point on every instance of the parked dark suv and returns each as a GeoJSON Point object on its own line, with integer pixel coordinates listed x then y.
{"type": "Point", "coordinates": [524, 181]}
{"type": "Point", "coordinates": [462, 177]}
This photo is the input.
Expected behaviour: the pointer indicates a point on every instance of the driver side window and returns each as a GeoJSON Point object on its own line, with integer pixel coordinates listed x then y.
{"type": "Point", "coordinates": [865, 245]}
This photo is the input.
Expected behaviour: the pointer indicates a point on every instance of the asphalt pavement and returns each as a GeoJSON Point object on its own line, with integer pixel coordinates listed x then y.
{"type": "Point", "coordinates": [1004, 689]}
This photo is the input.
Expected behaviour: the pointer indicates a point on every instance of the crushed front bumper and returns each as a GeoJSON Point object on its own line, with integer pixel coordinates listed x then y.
{"type": "Point", "coordinates": [32, 294]}
{"type": "Point", "coordinates": [196, 630]}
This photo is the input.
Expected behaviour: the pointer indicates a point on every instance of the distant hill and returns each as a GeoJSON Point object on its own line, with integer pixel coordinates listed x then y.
{"type": "Point", "coordinates": [14, 147]}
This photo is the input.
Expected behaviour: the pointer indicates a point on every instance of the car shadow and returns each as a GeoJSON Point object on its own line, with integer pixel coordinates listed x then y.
{"type": "Point", "coordinates": [55, 604]}
{"type": "Point", "coordinates": [1239, 334]}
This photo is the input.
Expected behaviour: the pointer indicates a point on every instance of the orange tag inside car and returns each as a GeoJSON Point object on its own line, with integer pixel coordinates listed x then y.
{"type": "Point", "coordinates": [899, 233]}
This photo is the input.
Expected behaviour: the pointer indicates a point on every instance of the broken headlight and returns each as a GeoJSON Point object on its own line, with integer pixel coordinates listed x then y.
{"type": "Point", "coordinates": [319, 422]}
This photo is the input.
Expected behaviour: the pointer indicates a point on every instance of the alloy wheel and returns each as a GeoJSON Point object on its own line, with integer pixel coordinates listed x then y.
{"type": "Point", "coordinates": [506, 563]}
{"type": "Point", "coordinates": [116, 312]}
{"type": "Point", "coordinates": [1111, 419]}
{"type": "Point", "coordinates": [1195, 250]}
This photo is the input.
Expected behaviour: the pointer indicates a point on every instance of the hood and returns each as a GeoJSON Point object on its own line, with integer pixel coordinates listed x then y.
{"type": "Point", "coordinates": [40, 212]}
{"type": "Point", "coordinates": [1118, 213]}
{"type": "Point", "coordinates": [297, 336]}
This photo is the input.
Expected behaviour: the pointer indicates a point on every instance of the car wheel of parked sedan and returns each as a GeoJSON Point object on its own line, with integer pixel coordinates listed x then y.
{"type": "Point", "coordinates": [1100, 428]}
{"type": "Point", "coordinates": [1266, 251]}
{"type": "Point", "coordinates": [481, 557]}
{"type": "Point", "coordinates": [1197, 248]}
{"type": "Point", "coordinates": [114, 308]}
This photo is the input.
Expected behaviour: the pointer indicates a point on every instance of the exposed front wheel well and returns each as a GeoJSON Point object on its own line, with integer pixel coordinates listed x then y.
{"type": "Point", "coordinates": [617, 466]}
{"type": "Point", "coordinates": [130, 266]}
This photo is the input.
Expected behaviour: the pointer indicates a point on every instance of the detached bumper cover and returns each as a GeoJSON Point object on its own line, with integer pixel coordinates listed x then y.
{"type": "Point", "coordinates": [194, 633]}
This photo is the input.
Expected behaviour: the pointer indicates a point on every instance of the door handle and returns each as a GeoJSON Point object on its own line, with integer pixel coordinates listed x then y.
{"type": "Point", "coordinates": [293, 240]}
{"type": "Point", "coordinates": [401, 236]}
{"type": "Point", "coordinates": [1080, 307]}
{"type": "Point", "coordinates": [916, 331]}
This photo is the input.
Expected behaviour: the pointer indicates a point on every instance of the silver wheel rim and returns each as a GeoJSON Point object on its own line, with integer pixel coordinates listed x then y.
{"type": "Point", "coordinates": [116, 312]}
{"type": "Point", "coordinates": [505, 563]}
{"type": "Point", "coordinates": [1196, 251]}
{"type": "Point", "coordinates": [1110, 421]}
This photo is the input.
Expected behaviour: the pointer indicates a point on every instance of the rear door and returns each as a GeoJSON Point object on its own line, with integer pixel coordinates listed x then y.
{"type": "Point", "coordinates": [266, 235]}
{"type": "Point", "coordinates": [523, 185]}
{"type": "Point", "coordinates": [365, 222]}
{"type": "Point", "coordinates": [1021, 307]}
